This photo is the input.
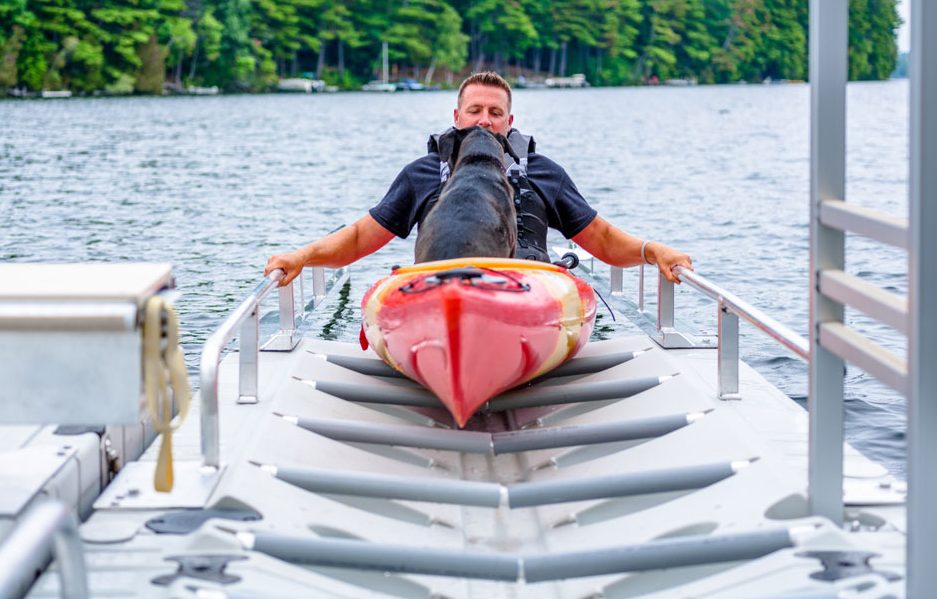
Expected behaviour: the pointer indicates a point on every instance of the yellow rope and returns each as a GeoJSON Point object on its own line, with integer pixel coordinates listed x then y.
{"type": "Point", "coordinates": [158, 366]}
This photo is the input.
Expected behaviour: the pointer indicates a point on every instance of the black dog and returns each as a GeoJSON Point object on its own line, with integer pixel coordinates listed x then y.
{"type": "Point", "coordinates": [475, 213]}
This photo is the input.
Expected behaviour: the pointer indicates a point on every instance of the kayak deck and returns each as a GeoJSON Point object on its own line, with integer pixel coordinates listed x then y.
{"type": "Point", "coordinates": [472, 328]}
{"type": "Point", "coordinates": [537, 518]}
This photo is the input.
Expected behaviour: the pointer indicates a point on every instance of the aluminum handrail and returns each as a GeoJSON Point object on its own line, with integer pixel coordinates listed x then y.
{"type": "Point", "coordinates": [730, 308]}
{"type": "Point", "coordinates": [211, 357]}
{"type": "Point", "coordinates": [247, 317]}
{"type": "Point", "coordinates": [48, 526]}
{"type": "Point", "coordinates": [768, 325]}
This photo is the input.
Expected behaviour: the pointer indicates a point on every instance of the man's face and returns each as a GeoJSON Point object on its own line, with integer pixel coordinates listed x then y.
{"type": "Point", "coordinates": [485, 106]}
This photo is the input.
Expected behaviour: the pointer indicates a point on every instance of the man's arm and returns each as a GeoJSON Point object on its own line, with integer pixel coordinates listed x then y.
{"type": "Point", "coordinates": [363, 237]}
{"type": "Point", "coordinates": [613, 246]}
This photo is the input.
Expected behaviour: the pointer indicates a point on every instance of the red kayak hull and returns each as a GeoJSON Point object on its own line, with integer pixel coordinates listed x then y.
{"type": "Point", "coordinates": [470, 329]}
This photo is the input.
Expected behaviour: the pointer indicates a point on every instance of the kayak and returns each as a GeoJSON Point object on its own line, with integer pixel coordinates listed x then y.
{"type": "Point", "coordinates": [468, 329]}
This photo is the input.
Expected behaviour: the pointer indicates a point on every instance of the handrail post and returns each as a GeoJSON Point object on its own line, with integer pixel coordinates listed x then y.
{"type": "Point", "coordinates": [245, 319]}
{"type": "Point", "coordinates": [244, 316]}
{"type": "Point", "coordinates": [287, 309]}
{"type": "Point", "coordinates": [616, 281]}
{"type": "Point", "coordinates": [286, 338]}
{"type": "Point", "coordinates": [828, 75]}
{"type": "Point", "coordinates": [318, 283]}
{"type": "Point", "coordinates": [728, 354]}
{"type": "Point", "coordinates": [922, 296]}
{"type": "Point", "coordinates": [641, 288]}
{"type": "Point", "coordinates": [665, 305]}
{"type": "Point", "coordinates": [248, 357]}
{"type": "Point", "coordinates": [667, 334]}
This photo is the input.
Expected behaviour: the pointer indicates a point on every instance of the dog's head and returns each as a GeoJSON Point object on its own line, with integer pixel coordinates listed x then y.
{"type": "Point", "coordinates": [476, 144]}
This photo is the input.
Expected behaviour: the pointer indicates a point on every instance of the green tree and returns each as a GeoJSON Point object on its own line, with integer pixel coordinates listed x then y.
{"type": "Point", "coordinates": [661, 32]}
{"type": "Point", "coordinates": [276, 26]}
{"type": "Point", "coordinates": [873, 51]}
{"type": "Point", "coordinates": [618, 41]}
{"type": "Point", "coordinates": [181, 41]}
{"type": "Point", "coordinates": [209, 37]}
{"type": "Point", "coordinates": [9, 52]}
{"type": "Point", "coordinates": [499, 28]}
{"type": "Point", "coordinates": [15, 21]}
{"type": "Point", "coordinates": [575, 21]}
{"type": "Point", "coordinates": [450, 45]}
{"type": "Point", "coordinates": [337, 27]}
{"type": "Point", "coordinates": [123, 46]}
{"type": "Point", "coordinates": [694, 53]}
{"type": "Point", "coordinates": [737, 30]}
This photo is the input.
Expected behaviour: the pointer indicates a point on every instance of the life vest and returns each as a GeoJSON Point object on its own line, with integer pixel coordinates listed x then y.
{"type": "Point", "coordinates": [529, 206]}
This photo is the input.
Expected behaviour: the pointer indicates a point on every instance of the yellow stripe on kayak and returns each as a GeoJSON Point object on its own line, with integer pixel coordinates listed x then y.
{"type": "Point", "coordinates": [564, 290]}
{"type": "Point", "coordinates": [506, 263]}
{"type": "Point", "coordinates": [372, 329]}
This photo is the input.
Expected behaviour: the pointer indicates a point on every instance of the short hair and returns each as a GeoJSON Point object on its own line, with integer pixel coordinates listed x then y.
{"type": "Point", "coordinates": [489, 78]}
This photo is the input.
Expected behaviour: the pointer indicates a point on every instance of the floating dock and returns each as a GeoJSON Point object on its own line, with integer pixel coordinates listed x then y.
{"type": "Point", "coordinates": [339, 482]}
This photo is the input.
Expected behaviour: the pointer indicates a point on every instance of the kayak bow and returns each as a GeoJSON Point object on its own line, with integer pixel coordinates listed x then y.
{"type": "Point", "coordinates": [471, 328]}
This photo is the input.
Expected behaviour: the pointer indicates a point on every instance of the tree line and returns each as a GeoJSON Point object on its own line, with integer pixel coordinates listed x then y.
{"type": "Point", "coordinates": [140, 46]}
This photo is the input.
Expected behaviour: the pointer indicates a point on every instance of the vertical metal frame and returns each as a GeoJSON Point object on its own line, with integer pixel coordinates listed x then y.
{"type": "Point", "coordinates": [922, 278]}
{"type": "Point", "coordinates": [665, 305]}
{"type": "Point", "coordinates": [318, 284]}
{"type": "Point", "coordinates": [616, 280]}
{"type": "Point", "coordinates": [248, 357]}
{"type": "Point", "coordinates": [829, 43]}
{"type": "Point", "coordinates": [667, 335]}
{"type": "Point", "coordinates": [641, 288]}
{"type": "Point", "coordinates": [287, 309]}
{"type": "Point", "coordinates": [286, 339]}
{"type": "Point", "coordinates": [728, 358]}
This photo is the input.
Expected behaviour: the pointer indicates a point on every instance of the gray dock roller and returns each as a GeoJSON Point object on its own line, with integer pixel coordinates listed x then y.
{"type": "Point", "coordinates": [655, 555]}
{"type": "Point", "coordinates": [620, 485]}
{"type": "Point", "coordinates": [368, 366]}
{"type": "Point", "coordinates": [388, 434]}
{"type": "Point", "coordinates": [380, 394]}
{"type": "Point", "coordinates": [533, 397]}
{"type": "Point", "coordinates": [591, 364]}
{"type": "Point", "coordinates": [496, 443]}
{"type": "Point", "coordinates": [364, 484]}
{"type": "Point", "coordinates": [589, 434]}
{"type": "Point", "coordinates": [362, 555]}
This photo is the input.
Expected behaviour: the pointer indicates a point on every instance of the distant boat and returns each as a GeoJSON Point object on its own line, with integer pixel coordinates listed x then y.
{"type": "Point", "coordinates": [298, 85]}
{"type": "Point", "coordinates": [378, 86]}
{"type": "Point", "coordinates": [409, 85]}
{"type": "Point", "coordinates": [193, 90]}
{"type": "Point", "coordinates": [577, 80]}
{"type": "Point", "coordinates": [20, 92]}
{"type": "Point", "coordinates": [525, 83]}
{"type": "Point", "coordinates": [48, 93]}
{"type": "Point", "coordinates": [381, 85]}
{"type": "Point", "coordinates": [680, 82]}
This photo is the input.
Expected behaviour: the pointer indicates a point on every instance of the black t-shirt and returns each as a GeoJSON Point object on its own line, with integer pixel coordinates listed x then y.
{"type": "Point", "coordinates": [402, 207]}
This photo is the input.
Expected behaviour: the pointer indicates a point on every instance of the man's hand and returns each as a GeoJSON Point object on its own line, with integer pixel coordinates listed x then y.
{"type": "Point", "coordinates": [359, 239]}
{"type": "Point", "coordinates": [291, 263]}
{"type": "Point", "coordinates": [667, 259]}
{"type": "Point", "coordinates": [613, 246]}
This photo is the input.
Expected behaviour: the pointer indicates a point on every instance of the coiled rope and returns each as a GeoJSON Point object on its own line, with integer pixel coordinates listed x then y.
{"type": "Point", "coordinates": [159, 367]}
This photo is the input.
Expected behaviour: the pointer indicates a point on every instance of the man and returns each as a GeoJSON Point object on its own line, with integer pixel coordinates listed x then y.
{"type": "Point", "coordinates": [544, 196]}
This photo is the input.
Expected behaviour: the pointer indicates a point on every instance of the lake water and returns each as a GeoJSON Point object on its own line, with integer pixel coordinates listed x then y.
{"type": "Point", "coordinates": [216, 184]}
